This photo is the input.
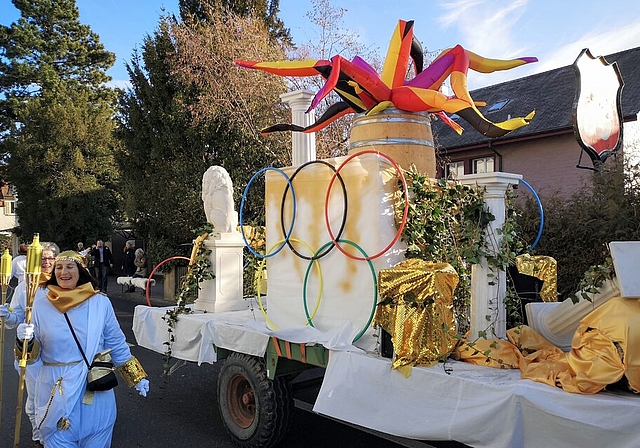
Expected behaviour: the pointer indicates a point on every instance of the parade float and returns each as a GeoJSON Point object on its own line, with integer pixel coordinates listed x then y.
{"type": "Point", "coordinates": [346, 267]}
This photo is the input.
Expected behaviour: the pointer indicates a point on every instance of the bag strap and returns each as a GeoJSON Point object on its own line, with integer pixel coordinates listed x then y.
{"type": "Point", "coordinates": [76, 339]}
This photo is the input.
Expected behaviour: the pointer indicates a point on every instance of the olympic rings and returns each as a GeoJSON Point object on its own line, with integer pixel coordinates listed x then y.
{"type": "Point", "coordinates": [375, 288]}
{"type": "Point", "coordinates": [405, 213]}
{"type": "Point", "coordinates": [344, 215]}
{"type": "Point", "coordinates": [244, 196]}
{"type": "Point", "coordinates": [259, 297]}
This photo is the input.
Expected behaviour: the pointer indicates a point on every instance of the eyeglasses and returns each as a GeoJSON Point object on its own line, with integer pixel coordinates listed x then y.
{"type": "Point", "coordinates": [49, 259]}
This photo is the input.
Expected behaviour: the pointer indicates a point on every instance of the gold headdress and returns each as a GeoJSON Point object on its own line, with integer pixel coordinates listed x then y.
{"type": "Point", "coordinates": [71, 255]}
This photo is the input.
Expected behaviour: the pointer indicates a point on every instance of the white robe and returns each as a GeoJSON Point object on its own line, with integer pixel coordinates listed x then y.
{"type": "Point", "coordinates": [97, 329]}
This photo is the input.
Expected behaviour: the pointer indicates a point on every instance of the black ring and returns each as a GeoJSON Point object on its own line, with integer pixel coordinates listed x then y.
{"type": "Point", "coordinates": [344, 215]}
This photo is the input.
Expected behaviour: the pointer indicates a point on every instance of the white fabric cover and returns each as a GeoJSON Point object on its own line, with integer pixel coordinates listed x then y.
{"type": "Point", "coordinates": [475, 405]}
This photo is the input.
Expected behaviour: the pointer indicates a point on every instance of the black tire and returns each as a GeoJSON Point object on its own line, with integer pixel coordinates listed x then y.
{"type": "Point", "coordinates": [255, 410]}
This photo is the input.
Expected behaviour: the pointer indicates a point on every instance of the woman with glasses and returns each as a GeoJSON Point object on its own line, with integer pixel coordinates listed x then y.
{"type": "Point", "coordinates": [14, 314]}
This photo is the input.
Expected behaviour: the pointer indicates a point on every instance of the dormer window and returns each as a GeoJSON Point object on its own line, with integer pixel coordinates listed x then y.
{"type": "Point", "coordinates": [497, 105]}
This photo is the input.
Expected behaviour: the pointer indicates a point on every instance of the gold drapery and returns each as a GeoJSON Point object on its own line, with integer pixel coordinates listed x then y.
{"type": "Point", "coordinates": [416, 308]}
{"type": "Point", "coordinates": [605, 348]}
{"type": "Point", "coordinates": [542, 267]}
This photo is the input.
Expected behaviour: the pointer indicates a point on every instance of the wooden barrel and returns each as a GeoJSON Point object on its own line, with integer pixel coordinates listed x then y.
{"type": "Point", "coordinates": [404, 136]}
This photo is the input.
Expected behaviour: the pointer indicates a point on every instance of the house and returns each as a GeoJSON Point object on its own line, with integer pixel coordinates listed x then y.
{"type": "Point", "coordinates": [8, 216]}
{"type": "Point", "coordinates": [546, 152]}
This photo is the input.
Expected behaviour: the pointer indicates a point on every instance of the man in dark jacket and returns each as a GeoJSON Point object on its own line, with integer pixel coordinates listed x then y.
{"type": "Point", "coordinates": [103, 264]}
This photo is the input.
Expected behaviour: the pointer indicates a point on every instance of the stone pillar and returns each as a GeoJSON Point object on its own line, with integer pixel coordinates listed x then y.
{"type": "Point", "coordinates": [488, 311]}
{"type": "Point", "coordinates": [224, 292]}
{"type": "Point", "coordinates": [303, 144]}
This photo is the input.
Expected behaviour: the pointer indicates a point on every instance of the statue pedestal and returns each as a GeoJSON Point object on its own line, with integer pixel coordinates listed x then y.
{"type": "Point", "coordinates": [224, 292]}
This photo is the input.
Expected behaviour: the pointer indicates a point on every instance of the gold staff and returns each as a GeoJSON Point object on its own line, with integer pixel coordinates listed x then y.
{"type": "Point", "coordinates": [32, 277]}
{"type": "Point", "coordinates": [5, 275]}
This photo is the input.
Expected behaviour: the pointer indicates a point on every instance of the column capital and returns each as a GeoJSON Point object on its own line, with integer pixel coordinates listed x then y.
{"type": "Point", "coordinates": [496, 183]}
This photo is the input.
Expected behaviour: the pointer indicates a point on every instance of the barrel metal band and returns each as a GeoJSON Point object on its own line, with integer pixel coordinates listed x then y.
{"type": "Point", "coordinates": [386, 119]}
{"type": "Point", "coordinates": [390, 141]}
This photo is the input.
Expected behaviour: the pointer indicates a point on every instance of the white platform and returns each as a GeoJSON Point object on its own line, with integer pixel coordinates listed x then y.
{"type": "Point", "coordinates": [475, 405]}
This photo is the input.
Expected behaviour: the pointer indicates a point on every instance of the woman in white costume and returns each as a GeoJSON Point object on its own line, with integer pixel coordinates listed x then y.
{"type": "Point", "coordinates": [68, 415]}
{"type": "Point", "coordinates": [14, 314]}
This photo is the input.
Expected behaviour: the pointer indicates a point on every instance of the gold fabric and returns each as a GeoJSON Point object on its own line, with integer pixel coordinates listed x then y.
{"type": "Point", "coordinates": [65, 299]}
{"type": "Point", "coordinates": [33, 351]}
{"type": "Point", "coordinates": [132, 371]}
{"type": "Point", "coordinates": [44, 278]}
{"type": "Point", "coordinates": [542, 267]}
{"type": "Point", "coordinates": [605, 347]}
{"type": "Point", "coordinates": [416, 308]}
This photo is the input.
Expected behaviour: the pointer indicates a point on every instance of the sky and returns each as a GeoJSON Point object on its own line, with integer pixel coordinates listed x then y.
{"type": "Point", "coordinates": [554, 31]}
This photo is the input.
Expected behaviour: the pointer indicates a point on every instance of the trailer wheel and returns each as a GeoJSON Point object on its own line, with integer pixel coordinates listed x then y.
{"type": "Point", "coordinates": [256, 410]}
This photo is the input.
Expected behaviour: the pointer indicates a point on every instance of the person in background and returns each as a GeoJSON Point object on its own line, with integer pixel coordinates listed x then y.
{"type": "Point", "coordinates": [129, 267]}
{"type": "Point", "coordinates": [141, 265]}
{"type": "Point", "coordinates": [17, 269]}
{"type": "Point", "coordinates": [102, 264]}
{"type": "Point", "coordinates": [91, 261]}
{"type": "Point", "coordinates": [15, 314]}
{"type": "Point", "coordinates": [67, 414]}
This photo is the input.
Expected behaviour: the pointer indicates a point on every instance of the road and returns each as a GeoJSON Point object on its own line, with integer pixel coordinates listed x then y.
{"type": "Point", "coordinates": [180, 411]}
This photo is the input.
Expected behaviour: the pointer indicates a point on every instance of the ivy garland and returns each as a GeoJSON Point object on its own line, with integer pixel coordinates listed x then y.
{"type": "Point", "coordinates": [200, 270]}
{"type": "Point", "coordinates": [447, 222]}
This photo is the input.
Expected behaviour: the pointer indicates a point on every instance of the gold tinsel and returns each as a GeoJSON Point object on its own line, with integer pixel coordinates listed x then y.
{"type": "Point", "coordinates": [544, 268]}
{"type": "Point", "coordinates": [416, 308]}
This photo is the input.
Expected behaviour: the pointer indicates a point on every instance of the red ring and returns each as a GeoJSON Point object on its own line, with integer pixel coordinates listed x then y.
{"type": "Point", "coordinates": [404, 215]}
{"type": "Point", "coordinates": [148, 286]}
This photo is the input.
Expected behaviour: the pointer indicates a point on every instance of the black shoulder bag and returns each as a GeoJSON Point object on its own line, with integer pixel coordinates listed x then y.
{"type": "Point", "coordinates": [101, 374]}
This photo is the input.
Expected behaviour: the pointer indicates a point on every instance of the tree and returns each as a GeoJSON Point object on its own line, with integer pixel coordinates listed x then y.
{"type": "Point", "coordinates": [577, 230]}
{"type": "Point", "coordinates": [188, 109]}
{"type": "Point", "coordinates": [57, 122]}
{"type": "Point", "coordinates": [63, 170]}
{"type": "Point", "coordinates": [329, 38]}
{"type": "Point", "coordinates": [267, 10]}
{"type": "Point", "coordinates": [161, 159]}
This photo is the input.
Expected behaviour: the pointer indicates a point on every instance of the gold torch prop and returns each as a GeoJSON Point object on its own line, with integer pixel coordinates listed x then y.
{"type": "Point", "coordinates": [5, 276]}
{"type": "Point", "coordinates": [32, 277]}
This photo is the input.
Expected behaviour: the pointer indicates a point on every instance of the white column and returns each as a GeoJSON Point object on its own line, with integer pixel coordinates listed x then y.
{"type": "Point", "coordinates": [224, 292]}
{"type": "Point", "coordinates": [558, 321]}
{"type": "Point", "coordinates": [488, 286]}
{"type": "Point", "coordinates": [303, 144]}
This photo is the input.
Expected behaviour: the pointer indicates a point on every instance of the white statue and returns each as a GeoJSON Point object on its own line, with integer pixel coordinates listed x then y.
{"type": "Point", "coordinates": [217, 197]}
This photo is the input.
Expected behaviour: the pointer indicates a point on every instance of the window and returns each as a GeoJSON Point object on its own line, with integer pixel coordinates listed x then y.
{"type": "Point", "coordinates": [454, 170]}
{"type": "Point", "coordinates": [483, 165]}
{"type": "Point", "coordinates": [497, 105]}
{"type": "Point", "coordinates": [9, 207]}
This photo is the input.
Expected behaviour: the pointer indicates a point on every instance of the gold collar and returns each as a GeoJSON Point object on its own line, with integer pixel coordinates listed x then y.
{"type": "Point", "coordinates": [65, 299]}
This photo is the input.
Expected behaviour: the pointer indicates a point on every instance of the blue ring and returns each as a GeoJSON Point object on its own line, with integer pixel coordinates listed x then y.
{"type": "Point", "coordinates": [535, 195]}
{"type": "Point", "coordinates": [293, 220]}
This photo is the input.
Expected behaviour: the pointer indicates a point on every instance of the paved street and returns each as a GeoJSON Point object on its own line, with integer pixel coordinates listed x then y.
{"type": "Point", "coordinates": [181, 411]}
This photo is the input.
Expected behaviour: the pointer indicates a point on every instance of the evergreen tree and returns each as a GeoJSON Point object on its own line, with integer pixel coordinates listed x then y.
{"type": "Point", "coordinates": [162, 155]}
{"type": "Point", "coordinates": [267, 10]}
{"type": "Point", "coordinates": [57, 123]}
